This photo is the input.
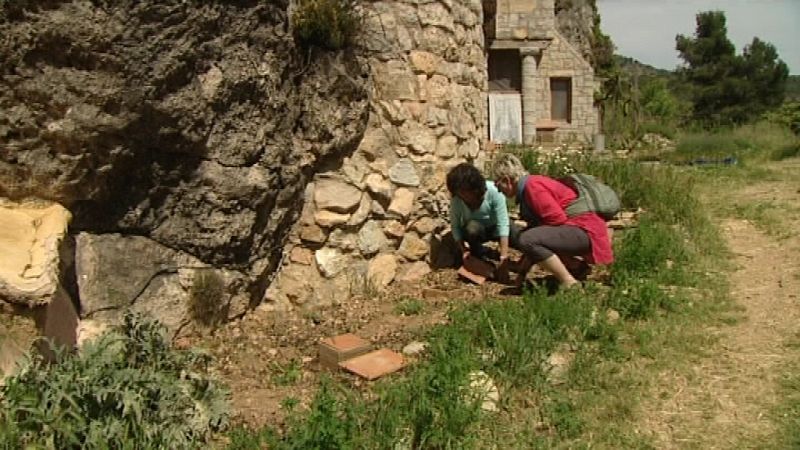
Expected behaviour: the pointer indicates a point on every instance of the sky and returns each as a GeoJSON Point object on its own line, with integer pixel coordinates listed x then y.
{"type": "Point", "coordinates": [645, 29]}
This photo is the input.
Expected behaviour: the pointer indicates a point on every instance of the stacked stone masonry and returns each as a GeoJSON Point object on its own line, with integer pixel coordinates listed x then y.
{"type": "Point", "coordinates": [374, 219]}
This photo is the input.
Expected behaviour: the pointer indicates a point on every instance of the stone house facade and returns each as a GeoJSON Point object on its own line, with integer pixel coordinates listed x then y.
{"type": "Point", "coordinates": [540, 86]}
{"type": "Point", "coordinates": [440, 69]}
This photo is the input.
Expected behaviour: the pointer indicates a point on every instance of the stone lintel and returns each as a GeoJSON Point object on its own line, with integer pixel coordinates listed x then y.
{"type": "Point", "coordinates": [535, 44]}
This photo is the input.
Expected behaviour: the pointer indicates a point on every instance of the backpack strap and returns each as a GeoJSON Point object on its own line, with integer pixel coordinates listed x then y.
{"type": "Point", "coordinates": [524, 209]}
{"type": "Point", "coordinates": [585, 201]}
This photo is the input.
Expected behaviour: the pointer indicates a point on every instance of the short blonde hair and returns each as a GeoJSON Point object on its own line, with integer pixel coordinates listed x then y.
{"type": "Point", "coordinates": [507, 165]}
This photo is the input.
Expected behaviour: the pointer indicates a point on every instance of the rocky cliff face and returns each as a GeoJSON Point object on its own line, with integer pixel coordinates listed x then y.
{"type": "Point", "coordinates": [575, 21]}
{"type": "Point", "coordinates": [193, 126]}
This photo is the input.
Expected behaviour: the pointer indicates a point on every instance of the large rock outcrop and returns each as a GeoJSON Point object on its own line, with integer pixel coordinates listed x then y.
{"type": "Point", "coordinates": [193, 125]}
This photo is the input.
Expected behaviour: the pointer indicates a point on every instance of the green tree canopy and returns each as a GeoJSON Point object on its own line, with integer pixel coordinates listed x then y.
{"type": "Point", "coordinates": [724, 87]}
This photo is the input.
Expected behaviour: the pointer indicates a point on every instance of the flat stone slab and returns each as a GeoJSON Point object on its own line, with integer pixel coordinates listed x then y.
{"type": "Point", "coordinates": [334, 350]}
{"type": "Point", "coordinates": [375, 364]}
{"type": "Point", "coordinates": [30, 236]}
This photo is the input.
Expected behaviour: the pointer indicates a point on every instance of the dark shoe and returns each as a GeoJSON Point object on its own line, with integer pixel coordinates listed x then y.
{"type": "Point", "coordinates": [580, 271]}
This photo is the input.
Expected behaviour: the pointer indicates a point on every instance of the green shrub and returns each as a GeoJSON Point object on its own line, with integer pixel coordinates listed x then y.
{"type": "Point", "coordinates": [788, 116]}
{"type": "Point", "coordinates": [331, 24]}
{"type": "Point", "coordinates": [127, 389]}
{"type": "Point", "coordinates": [787, 151]}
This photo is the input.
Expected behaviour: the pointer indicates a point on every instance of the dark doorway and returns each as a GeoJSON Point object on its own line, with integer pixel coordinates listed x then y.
{"type": "Point", "coordinates": [505, 71]}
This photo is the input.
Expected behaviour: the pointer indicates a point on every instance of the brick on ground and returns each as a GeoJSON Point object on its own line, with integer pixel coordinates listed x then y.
{"type": "Point", "coordinates": [336, 349]}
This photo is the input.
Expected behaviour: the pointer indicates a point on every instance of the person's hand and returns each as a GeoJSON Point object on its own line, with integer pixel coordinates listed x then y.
{"type": "Point", "coordinates": [464, 255]}
{"type": "Point", "coordinates": [502, 272]}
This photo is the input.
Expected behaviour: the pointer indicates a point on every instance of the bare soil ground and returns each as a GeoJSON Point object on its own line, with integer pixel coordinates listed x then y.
{"type": "Point", "coordinates": [726, 400]}
{"type": "Point", "coordinates": [257, 354]}
{"type": "Point", "coordinates": [267, 357]}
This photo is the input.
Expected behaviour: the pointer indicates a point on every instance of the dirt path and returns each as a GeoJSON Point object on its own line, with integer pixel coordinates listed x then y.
{"type": "Point", "coordinates": [726, 399]}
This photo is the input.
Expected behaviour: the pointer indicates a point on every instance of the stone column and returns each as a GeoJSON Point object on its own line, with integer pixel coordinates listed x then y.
{"type": "Point", "coordinates": [529, 91]}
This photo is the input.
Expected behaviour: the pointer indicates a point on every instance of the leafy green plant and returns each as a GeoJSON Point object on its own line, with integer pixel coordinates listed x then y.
{"type": "Point", "coordinates": [331, 24]}
{"type": "Point", "coordinates": [788, 115]}
{"type": "Point", "coordinates": [126, 389]}
{"type": "Point", "coordinates": [564, 417]}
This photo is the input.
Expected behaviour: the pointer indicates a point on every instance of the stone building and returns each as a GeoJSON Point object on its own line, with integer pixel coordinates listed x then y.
{"type": "Point", "coordinates": [540, 87]}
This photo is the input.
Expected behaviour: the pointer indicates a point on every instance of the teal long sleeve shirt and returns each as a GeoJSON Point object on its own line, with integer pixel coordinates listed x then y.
{"type": "Point", "coordinates": [492, 213]}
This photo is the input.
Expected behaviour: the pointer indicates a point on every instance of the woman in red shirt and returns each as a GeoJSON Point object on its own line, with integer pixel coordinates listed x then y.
{"type": "Point", "coordinates": [552, 235]}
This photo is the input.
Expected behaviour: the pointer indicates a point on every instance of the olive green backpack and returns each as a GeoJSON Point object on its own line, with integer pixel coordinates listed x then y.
{"type": "Point", "coordinates": [593, 195]}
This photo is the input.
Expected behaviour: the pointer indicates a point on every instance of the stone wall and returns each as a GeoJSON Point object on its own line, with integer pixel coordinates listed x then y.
{"type": "Point", "coordinates": [379, 215]}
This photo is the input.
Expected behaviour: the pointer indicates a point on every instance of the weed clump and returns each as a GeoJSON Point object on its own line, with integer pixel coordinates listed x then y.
{"type": "Point", "coordinates": [410, 307]}
{"type": "Point", "coordinates": [126, 389]}
{"type": "Point", "coordinates": [206, 304]}
{"type": "Point", "coordinates": [330, 24]}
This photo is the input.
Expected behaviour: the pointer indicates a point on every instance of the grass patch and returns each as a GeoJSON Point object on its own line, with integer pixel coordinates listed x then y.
{"type": "Point", "coordinates": [287, 374]}
{"type": "Point", "coordinates": [330, 24]}
{"type": "Point", "coordinates": [206, 298]}
{"type": "Point", "coordinates": [745, 144]}
{"type": "Point", "coordinates": [787, 413]}
{"type": "Point", "coordinates": [786, 151]}
{"type": "Point", "coordinates": [410, 307]}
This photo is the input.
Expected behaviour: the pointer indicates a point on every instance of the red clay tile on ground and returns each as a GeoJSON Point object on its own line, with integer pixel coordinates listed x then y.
{"type": "Point", "coordinates": [479, 267]}
{"type": "Point", "coordinates": [375, 364]}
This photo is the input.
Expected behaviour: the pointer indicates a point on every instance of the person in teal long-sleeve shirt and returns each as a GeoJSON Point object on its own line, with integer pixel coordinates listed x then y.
{"type": "Point", "coordinates": [478, 211]}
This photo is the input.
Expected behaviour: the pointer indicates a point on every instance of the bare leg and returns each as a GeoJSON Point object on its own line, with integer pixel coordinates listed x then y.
{"type": "Point", "coordinates": [578, 268]}
{"type": "Point", "coordinates": [554, 265]}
